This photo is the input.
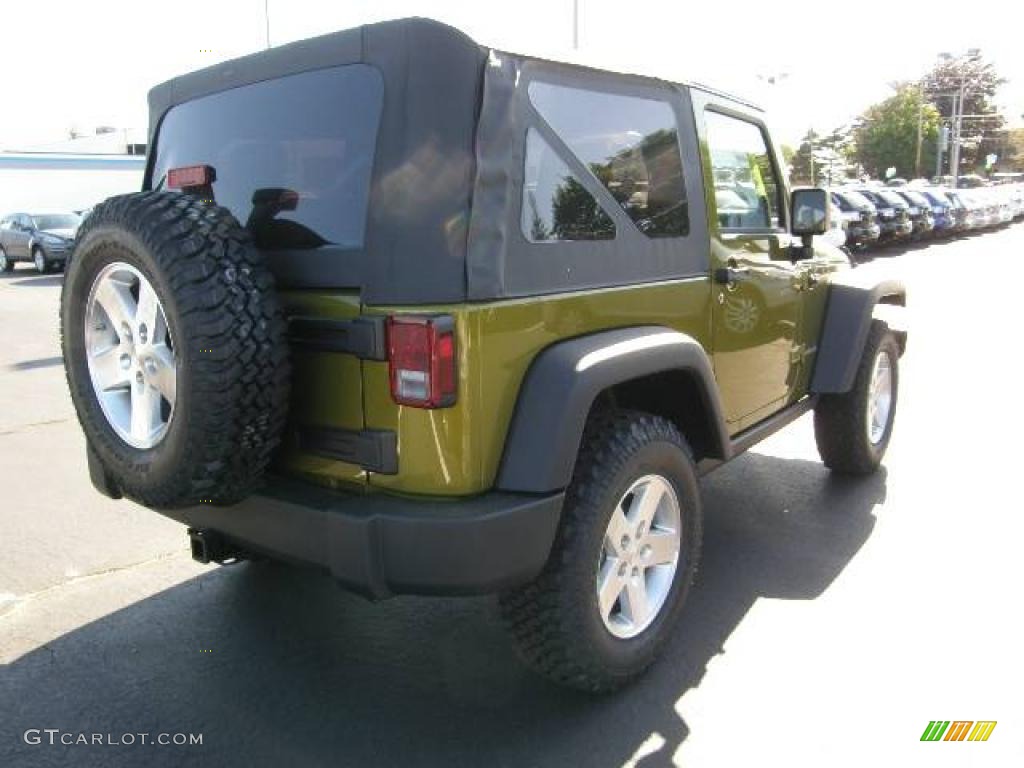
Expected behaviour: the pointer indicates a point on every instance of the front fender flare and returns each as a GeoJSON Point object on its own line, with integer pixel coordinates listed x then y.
{"type": "Point", "coordinates": [562, 383]}
{"type": "Point", "coordinates": [848, 317]}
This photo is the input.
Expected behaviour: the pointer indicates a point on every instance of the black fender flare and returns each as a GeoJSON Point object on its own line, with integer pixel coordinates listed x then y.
{"type": "Point", "coordinates": [562, 383]}
{"type": "Point", "coordinates": [848, 315]}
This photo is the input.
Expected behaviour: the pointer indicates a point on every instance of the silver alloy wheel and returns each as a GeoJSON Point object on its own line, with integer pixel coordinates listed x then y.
{"type": "Point", "coordinates": [639, 557]}
{"type": "Point", "coordinates": [131, 356]}
{"type": "Point", "coordinates": [3, 260]}
{"type": "Point", "coordinates": [40, 261]}
{"type": "Point", "coordinates": [879, 397]}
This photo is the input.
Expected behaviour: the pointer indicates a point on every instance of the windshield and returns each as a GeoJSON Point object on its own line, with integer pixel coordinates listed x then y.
{"type": "Point", "coordinates": [916, 198]}
{"type": "Point", "coordinates": [855, 199]}
{"type": "Point", "coordinates": [891, 198]}
{"type": "Point", "coordinates": [56, 221]}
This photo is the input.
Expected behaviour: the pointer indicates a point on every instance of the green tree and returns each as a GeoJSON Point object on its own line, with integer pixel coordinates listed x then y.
{"type": "Point", "coordinates": [980, 132]}
{"type": "Point", "coordinates": [885, 135]}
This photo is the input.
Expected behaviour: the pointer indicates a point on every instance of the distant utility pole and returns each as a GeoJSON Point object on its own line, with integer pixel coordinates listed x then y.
{"type": "Point", "coordinates": [920, 129]}
{"type": "Point", "coordinates": [954, 154]}
{"type": "Point", "coordinates": [266, 17]}
{"type": "Point", "coordinates": [575, 24]}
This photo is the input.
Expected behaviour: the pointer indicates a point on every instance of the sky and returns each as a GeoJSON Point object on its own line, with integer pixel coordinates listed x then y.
{"type": "Point", "coordinates": [101, 57]}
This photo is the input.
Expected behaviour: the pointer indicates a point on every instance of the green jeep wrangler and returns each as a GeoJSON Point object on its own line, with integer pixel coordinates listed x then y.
{"type": "Point", "coordinates": [441, 319]}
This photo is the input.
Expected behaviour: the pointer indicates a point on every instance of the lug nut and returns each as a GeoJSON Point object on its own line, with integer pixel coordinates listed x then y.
{"type": "Point", "coordinates": [624, 543]}
{"type": "Point", "coordinates": [143, 333]}
{"type": "Point", "coordinates": [126, 362]}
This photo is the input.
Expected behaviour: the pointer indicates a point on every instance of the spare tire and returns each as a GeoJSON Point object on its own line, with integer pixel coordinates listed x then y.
{"type": "Point", "coordinates": [174, 349]}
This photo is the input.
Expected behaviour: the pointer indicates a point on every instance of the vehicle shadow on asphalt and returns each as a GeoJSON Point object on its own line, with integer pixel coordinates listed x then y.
{"type": "Point", "coordinates": [299, 672]}
{"type": "Point", "coordinates": [32, 280]}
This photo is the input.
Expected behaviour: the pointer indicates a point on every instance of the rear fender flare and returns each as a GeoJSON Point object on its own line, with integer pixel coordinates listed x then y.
{"type": "Point", "coordinates": [566, 378]}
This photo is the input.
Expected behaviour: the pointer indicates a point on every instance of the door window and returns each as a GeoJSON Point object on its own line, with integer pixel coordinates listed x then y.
{"type": "Point", "coordinates": [746, 184]}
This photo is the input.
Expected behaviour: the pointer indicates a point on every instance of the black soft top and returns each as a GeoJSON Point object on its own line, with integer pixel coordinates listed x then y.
{"type": "Point", "coordinates": [443, 221]}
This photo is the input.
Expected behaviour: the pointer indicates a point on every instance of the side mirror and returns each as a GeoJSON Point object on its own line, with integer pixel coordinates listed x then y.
{"type": "Point", "coordinates": [810, 216]}
{"type": "Point", "coordinates": [810, 211]}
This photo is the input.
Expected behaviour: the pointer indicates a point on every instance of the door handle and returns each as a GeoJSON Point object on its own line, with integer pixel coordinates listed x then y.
{"type": "Point", "coordinates": [730, 275]}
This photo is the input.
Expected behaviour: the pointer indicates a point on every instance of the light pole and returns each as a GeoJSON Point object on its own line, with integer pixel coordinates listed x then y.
{"type": "Point", "coordinates": [958, 111]}
{"type": "Point", "coordinates": [266, 18]}
{"type": "Point", "coordinates": [575, 25]}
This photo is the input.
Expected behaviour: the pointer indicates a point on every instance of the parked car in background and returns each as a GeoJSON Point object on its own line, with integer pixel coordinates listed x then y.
{"type": "Point", "coordinates": [837, 233]}
{"type": "Point", "coordinates": [862, 227]}
{"type": "Point", "coordinates": [974, 210]}
{"type": "Point", "coordinates": [947, 215]}
{"type": "Point", "coordinates": [45, 239]}
{"type": "Point", "coordinates": [920, 210]}
{"type": "Point", "coordinates": [893, 214]}
{"type": "Point", "coordinates": [1017, 197]}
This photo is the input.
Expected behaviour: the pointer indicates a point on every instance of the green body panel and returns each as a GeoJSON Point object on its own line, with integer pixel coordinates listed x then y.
{"type": "Point", "coordinates": [456, 451]}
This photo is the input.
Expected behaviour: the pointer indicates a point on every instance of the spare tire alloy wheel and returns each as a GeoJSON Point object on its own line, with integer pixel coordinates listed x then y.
{"type": "Point", "coordinates": [131, 355]}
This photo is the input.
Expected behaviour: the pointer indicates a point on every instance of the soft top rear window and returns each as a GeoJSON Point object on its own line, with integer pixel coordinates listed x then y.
{"type": "Point", "coordinates": [293, 155]}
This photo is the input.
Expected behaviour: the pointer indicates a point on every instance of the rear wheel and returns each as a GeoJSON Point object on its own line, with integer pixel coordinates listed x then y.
{"type": "Point", "coordinates": [623, 559]}
{"type": "Point", "coordinates": [6, 265]}
{"type": "Point", "coordinates": [174, 349]}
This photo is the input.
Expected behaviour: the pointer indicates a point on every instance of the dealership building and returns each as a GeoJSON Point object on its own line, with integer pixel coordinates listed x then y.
{"type": "Point", "coordinates": [71, 175]}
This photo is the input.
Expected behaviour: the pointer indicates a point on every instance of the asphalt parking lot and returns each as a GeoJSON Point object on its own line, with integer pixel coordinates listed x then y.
{"type": "Point", "coordinates": [831, 619]}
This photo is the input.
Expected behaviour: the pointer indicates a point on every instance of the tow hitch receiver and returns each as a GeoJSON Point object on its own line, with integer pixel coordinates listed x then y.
{"type": "Point", "coordinates": [210, 547]}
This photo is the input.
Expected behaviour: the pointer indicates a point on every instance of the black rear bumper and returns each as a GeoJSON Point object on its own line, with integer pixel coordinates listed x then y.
{"type": "Point", "coordinates": [382, 545]}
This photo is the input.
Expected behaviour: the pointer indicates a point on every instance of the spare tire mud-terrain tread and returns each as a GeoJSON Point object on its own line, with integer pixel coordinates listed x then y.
{"type": "Point", "coordinates": [228, 331]}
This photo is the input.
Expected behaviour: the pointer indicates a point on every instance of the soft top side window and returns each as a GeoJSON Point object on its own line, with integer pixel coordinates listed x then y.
{"type": "Point", "coordinates": [631, 146]}
{"type": "Point", "coordinates": [556, 206]}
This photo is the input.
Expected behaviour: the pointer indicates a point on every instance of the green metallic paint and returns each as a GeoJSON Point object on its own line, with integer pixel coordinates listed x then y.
{"type": "Point", "coordinates": [456, 451]}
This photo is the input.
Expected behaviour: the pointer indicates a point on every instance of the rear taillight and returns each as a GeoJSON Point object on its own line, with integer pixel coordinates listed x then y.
{"type": "Point", "coordinates": [421, 360]}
